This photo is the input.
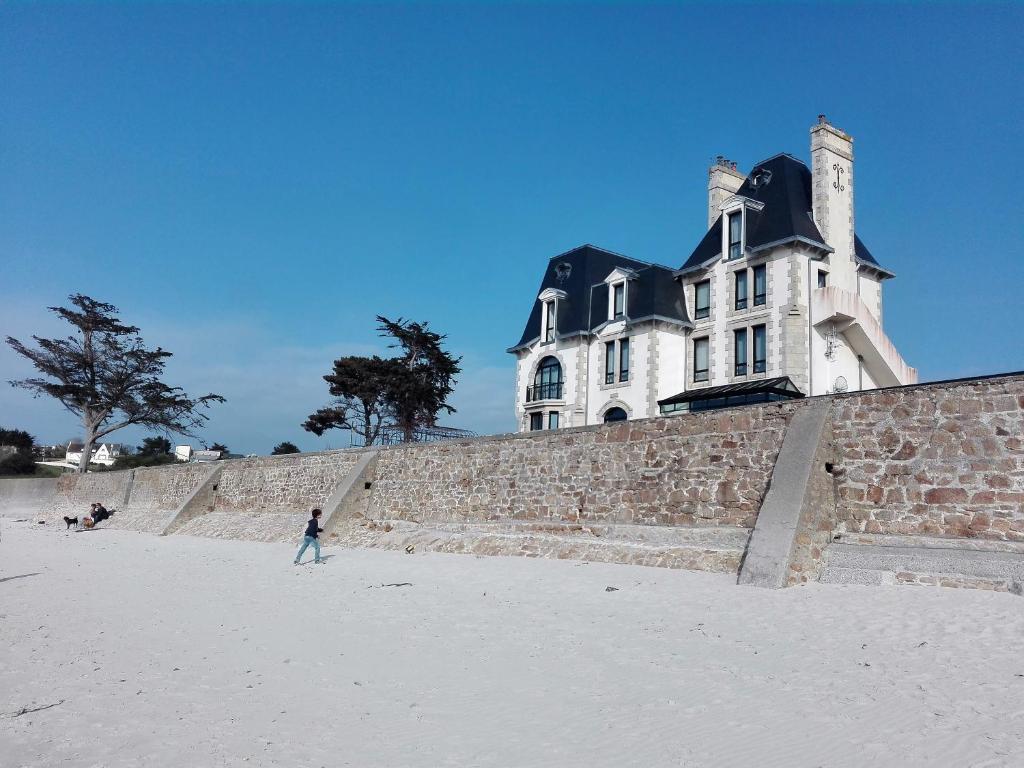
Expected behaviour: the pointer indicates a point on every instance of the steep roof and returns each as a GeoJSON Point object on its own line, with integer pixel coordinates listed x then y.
{"type": "Point", "coordinates": [783, 184]}
{"type": "Point", "coordinates": [581, 272]}
{"type": "Point", "coordinates": [864, 258]}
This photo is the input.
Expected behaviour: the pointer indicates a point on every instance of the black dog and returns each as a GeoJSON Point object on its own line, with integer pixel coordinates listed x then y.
{"type": "Point", "coordinates": [70, 521]}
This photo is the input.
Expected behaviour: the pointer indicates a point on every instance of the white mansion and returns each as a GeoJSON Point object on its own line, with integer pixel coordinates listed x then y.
{"type": "Point", "coordinates": [779, 299]}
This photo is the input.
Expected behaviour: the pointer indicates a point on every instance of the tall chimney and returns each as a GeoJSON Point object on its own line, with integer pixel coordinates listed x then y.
{"type": "Point", "coordinates": [832, 188]}
{"type": "Point", "coordinates": [723, 181]}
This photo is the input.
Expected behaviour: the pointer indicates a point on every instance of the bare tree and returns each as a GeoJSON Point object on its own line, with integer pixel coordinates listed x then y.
{"type": "Point", "coordinates": [104, 375]}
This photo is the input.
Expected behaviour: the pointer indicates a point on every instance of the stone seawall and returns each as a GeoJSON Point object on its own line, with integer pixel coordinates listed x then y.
{"type": "Point", "coordinates": [918, 468]}
{"type": "Point", "coordinates": [269, 498]}
{"type": "Point", "coordinates": [939, 460]}
{"type": "Point", "coordinates": [156, 493]}
{"type": "Point", "coordinates": [708, 469]}
{"type": "Point", "coordinates": [26, 496]}
{"type": "Point", "coordinates": [677, 492]}
{"type": "Point", "coordinates": [74, 493]}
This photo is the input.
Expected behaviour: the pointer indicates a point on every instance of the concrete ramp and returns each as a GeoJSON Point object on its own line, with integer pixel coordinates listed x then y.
{"type": "Point", "coordinates": [794, 523]}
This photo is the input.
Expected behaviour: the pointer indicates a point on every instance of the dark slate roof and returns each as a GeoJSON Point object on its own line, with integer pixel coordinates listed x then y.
{"type": "Point", "coordinates": [865, 259]}
{"type": "Point", "coordinates": [654, 292]}
{"type": "Point", "coordinates": [786, 215]}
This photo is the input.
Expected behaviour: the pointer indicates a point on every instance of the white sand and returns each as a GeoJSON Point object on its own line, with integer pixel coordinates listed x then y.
{"type": "Point", "coordinates": [197, 652]}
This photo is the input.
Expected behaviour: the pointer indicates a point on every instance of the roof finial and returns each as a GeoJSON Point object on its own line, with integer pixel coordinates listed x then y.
{"type": "Point", "coordinates": [822, 120]}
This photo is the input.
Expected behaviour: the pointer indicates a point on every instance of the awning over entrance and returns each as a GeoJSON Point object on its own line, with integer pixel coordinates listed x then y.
{"type": "Point", "coordinates": [729, 395]}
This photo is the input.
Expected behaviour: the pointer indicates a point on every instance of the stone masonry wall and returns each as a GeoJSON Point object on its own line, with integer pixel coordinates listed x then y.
{"type": "Point", "coordinates": [156, 493]}
{"type": "Point", "coordinates": [702, 469]}
{"type": "Point", "coordinates": [76, 492]}
{"type": "Point", "coordinates": [26, 495]}
{"type": "Point", "coordinates": [269, 498]}
{"type": "Point", "coordinates": [940, 460]}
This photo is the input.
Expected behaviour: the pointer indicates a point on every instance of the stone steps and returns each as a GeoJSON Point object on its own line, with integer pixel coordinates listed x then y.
{"type": "Point", "coordinates": [925, 561]}
{"type": "Point", "coordinates": [709, 549]}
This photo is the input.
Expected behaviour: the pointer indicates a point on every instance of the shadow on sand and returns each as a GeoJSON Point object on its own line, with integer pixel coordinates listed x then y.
{"type": "Point", "coordinates": [20, 576]}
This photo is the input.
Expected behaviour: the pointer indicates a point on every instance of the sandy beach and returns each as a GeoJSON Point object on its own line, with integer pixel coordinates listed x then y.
{"type": "Point", "coordinates": [136, 650]}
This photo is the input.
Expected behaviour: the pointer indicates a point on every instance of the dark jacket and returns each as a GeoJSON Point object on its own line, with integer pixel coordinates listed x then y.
{"type": "Point", "coordinates": [312, 529]}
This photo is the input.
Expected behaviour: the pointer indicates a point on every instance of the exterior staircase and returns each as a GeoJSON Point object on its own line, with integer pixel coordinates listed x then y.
{"type": "Point", "coordinates": [924, 560]}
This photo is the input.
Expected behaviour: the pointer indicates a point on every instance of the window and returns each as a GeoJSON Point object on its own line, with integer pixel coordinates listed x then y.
{"type": "Point", "coordinates": [735, 235]}
{"type": "Point", "coordinates": [741, 289]}
{"type": "Point", "coordinates": [549, 321]}
{"type": "Point", "coordinates": [702, 299]}
{"type": "Point", "coordinates": [822, 278]}
{"type": "Point", "coordinates": [610, 360]}
{"type": "Point", "coordinates": [553, 420]}
{"type": "Point", "coordinates": [740, 345]}
{"type": "Point", "coordinates": [618, 300]}
{"type": "Point", "coordinates": [700, 359]}
{"type": "Point", "coordinates": [614, 414]}
{"type": "Point", "coordinates": [760, 348]}
{"type": "Point", "coordinates": [547, 382]}
{"type": "Point", "coordinates": [760, 285]}
{"type": "Point", "coordinates": [536, 421]}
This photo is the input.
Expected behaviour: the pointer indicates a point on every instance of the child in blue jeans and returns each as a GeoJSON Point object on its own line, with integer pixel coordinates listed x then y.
{"type": "Point", "coordinates": [313, 530]}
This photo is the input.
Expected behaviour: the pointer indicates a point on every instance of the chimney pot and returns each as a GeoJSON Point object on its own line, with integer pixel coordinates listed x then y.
{"type": "Point", "coordinates": [822, 120]}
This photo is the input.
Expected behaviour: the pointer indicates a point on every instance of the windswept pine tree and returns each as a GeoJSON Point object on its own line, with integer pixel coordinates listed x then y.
{"type": "Point", "coordinates": [104, 374]}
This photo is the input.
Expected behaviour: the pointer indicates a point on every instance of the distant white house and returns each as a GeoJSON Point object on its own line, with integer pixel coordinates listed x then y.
{"type": "Point", "coordinates": [188, 453]}
{"type": "Point", "coordinates": [105, 454]}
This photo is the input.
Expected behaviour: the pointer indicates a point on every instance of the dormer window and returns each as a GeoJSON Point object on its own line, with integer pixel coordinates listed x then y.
{"type": "Point", "coordinates": [618, 287]}
{"type": "Point", "coordinates": [549, 299]}
{"type": "Point", "coordinates": [618, 300]}
{"type": "Point", "coordinates": [735, 235]}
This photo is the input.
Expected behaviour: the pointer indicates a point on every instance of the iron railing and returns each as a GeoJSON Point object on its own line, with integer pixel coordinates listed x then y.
{"type": "Point", "coordinates": [549, 391]}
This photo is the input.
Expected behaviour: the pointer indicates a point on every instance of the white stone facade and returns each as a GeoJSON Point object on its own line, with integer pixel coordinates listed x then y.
{"type": "Point", "coordinates": [656, 371]}
{"type": "Point", "coordinates": [814, 296]}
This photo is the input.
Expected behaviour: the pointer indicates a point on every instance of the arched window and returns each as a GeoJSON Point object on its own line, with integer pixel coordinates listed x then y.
{"type": "Point", "coordinates": [614, 414]}
{"type": "Point", "coordinates": [547, 383]}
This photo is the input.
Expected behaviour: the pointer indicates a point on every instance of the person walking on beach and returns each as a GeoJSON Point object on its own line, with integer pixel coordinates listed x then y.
{"type": "Point", "coordinates": [313, 531]}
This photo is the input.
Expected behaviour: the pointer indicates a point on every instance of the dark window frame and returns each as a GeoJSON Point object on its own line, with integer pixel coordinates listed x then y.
{"type": "Point", "coordinates": [760, 363]}
{"type": "Point", "coordinates": [618, 307]}
{"type": "Point", "coordinates": [552, 419]}
{"type": "Point", "coordinates": [609, 362]}
{"type": "Point", "coordinates": [739, 361]}
{"type": "Point", "coordinates": [537, 421]}
{"type": "Point", "coordinates": [699, 312]}
{"type": "Point", "coordinates": [624, 359]}
{"type": "Point", "coordinates": [547, 380]}
{"type": "Point", "coordinates": [822, 278]}
{"type": "Point", "coordinates": [616, 410]}
{"type": "Point", "coordinates": [740, 278]}
{"type": "Point", "coordinates": [550, 314]}
{"type": "Point", "coordinates": [760, 299]}
{"type": "Point", "coordinates": [735, 246]}
{"type": "Point", "coordinates": [701, 374]}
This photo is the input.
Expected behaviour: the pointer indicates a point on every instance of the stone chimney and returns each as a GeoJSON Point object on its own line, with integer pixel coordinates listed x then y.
{"type": "Point", "coordinates": [832, 186]}
{"type": "Point", "coordinates": [723, 181]}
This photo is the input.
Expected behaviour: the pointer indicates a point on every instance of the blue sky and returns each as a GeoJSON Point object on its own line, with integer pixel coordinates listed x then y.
{"type": "Point", "coordinates": [252, 184]}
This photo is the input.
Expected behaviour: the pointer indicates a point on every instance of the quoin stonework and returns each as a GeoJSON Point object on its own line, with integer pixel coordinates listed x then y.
{"type": "Point", "coordinates": [779, 299]}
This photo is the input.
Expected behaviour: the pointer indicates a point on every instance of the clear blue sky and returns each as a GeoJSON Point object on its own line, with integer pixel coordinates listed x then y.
{"type": "Point", "coordinates": [253, 184]}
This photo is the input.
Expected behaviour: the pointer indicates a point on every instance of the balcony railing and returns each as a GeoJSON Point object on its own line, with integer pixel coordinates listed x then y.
{"type": "Point", "coordinates": [551, 391]}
